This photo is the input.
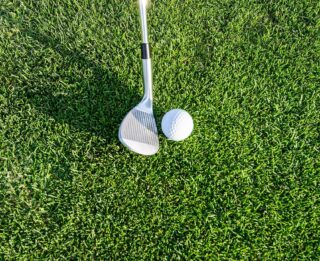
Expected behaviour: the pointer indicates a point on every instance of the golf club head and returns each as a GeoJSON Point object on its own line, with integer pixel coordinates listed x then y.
{"type": "Point", "coordinates": [138, 131]}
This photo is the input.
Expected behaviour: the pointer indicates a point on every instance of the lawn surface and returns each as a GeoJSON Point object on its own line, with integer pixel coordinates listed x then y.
{"type": "Point", "coordinates": [245, 185]}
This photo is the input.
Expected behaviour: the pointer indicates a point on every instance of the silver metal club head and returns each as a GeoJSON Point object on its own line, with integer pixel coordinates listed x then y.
{"type": "Point", "coordinates": [138, 132]}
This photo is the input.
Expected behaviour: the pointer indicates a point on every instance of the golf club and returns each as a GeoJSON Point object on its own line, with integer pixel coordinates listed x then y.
{"type": "Point", "coordinates": [138, 130]}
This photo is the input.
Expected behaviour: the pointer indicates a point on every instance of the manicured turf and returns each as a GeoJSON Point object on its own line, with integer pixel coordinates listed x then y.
{"type": "Point", "coordinates": [245, 185]}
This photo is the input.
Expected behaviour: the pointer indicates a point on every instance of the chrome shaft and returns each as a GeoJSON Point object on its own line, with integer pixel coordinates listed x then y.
{"type": "Point", "coordinates": [146, 61]}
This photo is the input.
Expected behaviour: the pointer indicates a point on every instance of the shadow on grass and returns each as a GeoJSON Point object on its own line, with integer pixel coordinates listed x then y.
{"type": "Point", "coordinates": [94, 100]}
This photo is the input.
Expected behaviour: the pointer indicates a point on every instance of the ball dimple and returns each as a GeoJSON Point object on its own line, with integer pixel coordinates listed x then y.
{"type": "Point", "coordinates": [177, 124]}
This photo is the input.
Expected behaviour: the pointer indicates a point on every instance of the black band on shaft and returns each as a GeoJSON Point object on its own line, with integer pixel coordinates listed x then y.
{"type": "Point", "coordinates": [146, 51]}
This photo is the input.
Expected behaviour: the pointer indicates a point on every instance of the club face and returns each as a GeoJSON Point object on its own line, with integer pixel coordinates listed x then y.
{"type": "Point", "coordinates": [138, 132]}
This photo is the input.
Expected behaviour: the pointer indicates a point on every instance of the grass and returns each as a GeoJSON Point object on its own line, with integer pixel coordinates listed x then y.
{"type": "Point", "coordinates": [245, 185]}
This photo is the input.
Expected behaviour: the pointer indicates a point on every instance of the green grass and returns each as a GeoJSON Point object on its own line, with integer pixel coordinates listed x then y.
{"type": "Point", "coordinates": [245, 185]}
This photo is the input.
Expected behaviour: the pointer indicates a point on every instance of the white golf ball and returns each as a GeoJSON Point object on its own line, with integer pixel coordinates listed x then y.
{"type": "Point", "coordinates": [177, 124]}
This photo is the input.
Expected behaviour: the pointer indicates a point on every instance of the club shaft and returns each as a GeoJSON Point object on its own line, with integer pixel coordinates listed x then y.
{"type": "Point", "coordinates": [143, 16]}
{"type": "Point", "coordinates": [147, 78]}
{"type": "Point", "coordinates": [146, 56]}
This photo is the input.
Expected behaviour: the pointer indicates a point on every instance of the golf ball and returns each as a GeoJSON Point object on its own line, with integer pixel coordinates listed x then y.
{"type": "Point", "coordinates": [177, 124]}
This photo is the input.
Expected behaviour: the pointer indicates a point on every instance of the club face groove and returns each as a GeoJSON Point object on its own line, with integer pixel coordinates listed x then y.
{"type": "Point", "coordinates": [138, 131]}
